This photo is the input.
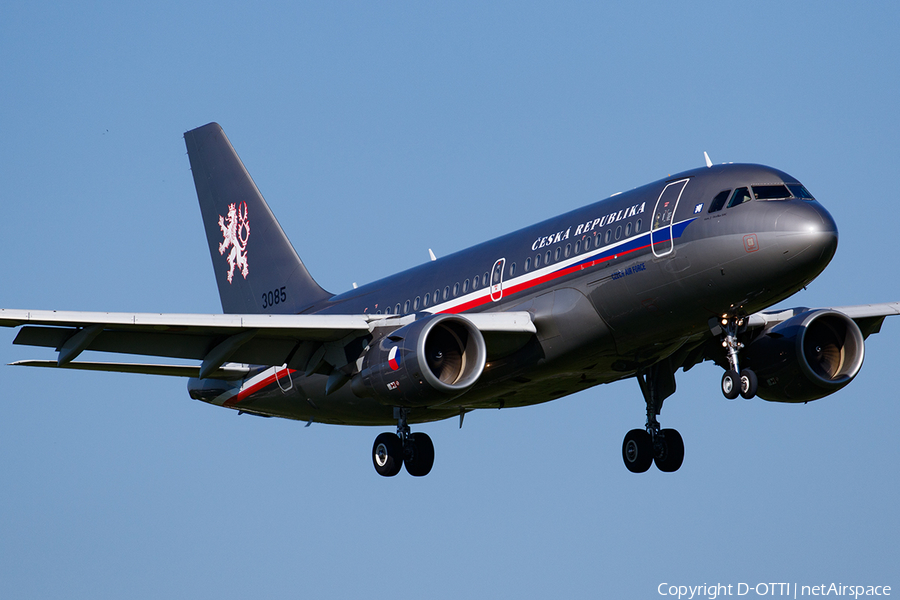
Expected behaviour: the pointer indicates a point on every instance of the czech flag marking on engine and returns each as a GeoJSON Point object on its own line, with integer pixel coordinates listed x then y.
{"type": "Point", "coordinates": [394, 358]}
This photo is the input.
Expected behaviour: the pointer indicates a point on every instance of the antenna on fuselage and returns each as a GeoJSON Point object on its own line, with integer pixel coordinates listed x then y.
{"type": "Point", "coordinates": [708, 162]}
{"type": "Point", "coordinates": [431, 254]}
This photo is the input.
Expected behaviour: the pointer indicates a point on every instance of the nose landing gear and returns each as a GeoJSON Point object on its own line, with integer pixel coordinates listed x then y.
{"type": "Point", "coordinates": [393, 450]}
{"type": "Point", "coordinates": [736, 382]}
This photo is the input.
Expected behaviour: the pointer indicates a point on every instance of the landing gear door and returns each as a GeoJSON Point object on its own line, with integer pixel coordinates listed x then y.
{"type": "Point", "coordinates": [497, 279]}
{"type": "Point", "coordinates": [663, 214]}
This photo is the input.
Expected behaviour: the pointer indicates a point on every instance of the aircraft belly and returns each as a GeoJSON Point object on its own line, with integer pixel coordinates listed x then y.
{"type": "Point", "coordinates": [293, 396]}
{"type": "Point", "coordinates": [543, 384]}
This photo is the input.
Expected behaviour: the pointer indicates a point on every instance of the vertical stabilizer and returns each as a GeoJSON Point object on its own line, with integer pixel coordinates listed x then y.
{"type": "Point", "coordinates": [257, 268]}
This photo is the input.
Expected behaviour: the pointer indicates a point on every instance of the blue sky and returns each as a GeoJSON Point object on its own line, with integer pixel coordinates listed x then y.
{"type": "Point", "coordinates": [377, 131]}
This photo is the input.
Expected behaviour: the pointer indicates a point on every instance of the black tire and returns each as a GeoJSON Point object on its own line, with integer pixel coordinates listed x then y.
{"type": "Point", "coordinates": [673, 451]}
{"type": "Point", "coordinates": [387, 454]}
{"type": "Point", "coordinates": [749, 384]}
{"type": "Point", "coordinates": [731, 384]}
{"type": "Point", "coordinates": [419, 454]}
{"type": "Point", "coordinates": [637, 451]}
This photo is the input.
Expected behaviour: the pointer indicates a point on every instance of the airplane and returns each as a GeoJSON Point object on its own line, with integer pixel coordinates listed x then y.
{"type": "Point", "coordinates": [638, 285]}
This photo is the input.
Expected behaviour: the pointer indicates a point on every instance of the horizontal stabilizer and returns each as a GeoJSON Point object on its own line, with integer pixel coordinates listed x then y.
{"type": "Point", "coordinates": [224, 372]}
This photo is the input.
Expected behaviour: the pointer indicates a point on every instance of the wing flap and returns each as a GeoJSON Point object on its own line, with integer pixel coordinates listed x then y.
{"type": "Point", "coordinates": [147, 343]}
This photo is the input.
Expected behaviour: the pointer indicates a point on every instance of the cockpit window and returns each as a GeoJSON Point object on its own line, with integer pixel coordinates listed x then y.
{"type": "Point", "coordinates": [739, 196]}
{"type": "Point", "coordinates": [800, 192]}
{"type": "Point", "coordinates": [771, 192]}
{"type": "Point", "coordinates": [719, 201]}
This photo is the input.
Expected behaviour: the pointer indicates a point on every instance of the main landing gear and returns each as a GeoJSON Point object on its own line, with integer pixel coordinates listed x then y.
{"type": "Point", "coordinates": [393, 450]}
{"type": "Point", "coordinates": [642, 447]}
{"type": "Point", "coordinates": [736, 382]}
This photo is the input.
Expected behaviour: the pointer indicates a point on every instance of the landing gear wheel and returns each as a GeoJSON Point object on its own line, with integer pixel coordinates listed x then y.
{"type": "Point", "coordinates": [670, 452]}
{"type": "Point", "coordinates": [731, 384]}
{"type": "Point", "coordinates": [749, 384]}
{"type": "Point", "coordinates": [387, 454]}
{"type": "Point", "coordinates": [419, 454]}
{"type": "Point", "coordinates": [637, 450]}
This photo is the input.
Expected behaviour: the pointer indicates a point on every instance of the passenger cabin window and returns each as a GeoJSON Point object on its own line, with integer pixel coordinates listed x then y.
{"type": "Point", "coordinates": [577, 246]}
{"type": "Point", "coordinates": [637, 226]}
{"type": "Point", "coordinates": [618, 232]}
{"type": "Point", "coordinates": [455, 289]}
{"type": "Point", "coordinates": [719, 201]}
{"type": "Point", "coordinates": [446, 292]}
{"type": "Point", "coordinates": [608, 236]}
{"type": "Point", "coordinates": [475, 283]}
{"type": "Point", "coordinates": [771, 192]}
{"type": "Point", "coordinates": [556, 254]}
{"type": "Point", "coordinates": [800, 192]}
{"type": "Point", "coordinates": [512, 269]}
{"type": "Point", "coordinates": [465, 286]}
{"type": "Point", "coordinates": [406, 307]}
{"type": "Point", "coordinates": [425, 302]}
{"type": "Point", "coordinates": [739, 196]}
{"type": "Point", "coordinates": [537, 261]}
{"type": "Point", "coordinates": [568, 250]}
{"type": "Point", "coordinates": [547, 257]}
{"type": "Point", "coordinates": [527, 264]}
{"type": "Point", "coordinates": [627, 229]}
{"type": "Point", "coordinates": [397, 309]}
{"type": "Point", "coordinates": [416, 303]}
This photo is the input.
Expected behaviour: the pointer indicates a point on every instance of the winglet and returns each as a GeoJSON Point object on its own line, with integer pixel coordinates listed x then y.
{"type": "Point", "coordinates": [708, 162]}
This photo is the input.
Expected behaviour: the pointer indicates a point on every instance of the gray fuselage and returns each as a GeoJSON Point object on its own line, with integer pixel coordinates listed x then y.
{"type": "Point", "coordinates": [612, 287]}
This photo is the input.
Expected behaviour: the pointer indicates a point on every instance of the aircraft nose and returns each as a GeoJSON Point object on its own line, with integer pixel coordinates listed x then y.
{"type": "Point", "coordinates": [807, 233]}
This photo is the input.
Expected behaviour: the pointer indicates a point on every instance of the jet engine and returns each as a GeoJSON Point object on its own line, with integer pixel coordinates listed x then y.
{"type": "Point", "coordinates": [425, 363]}
{"type": "Point", "coordinates": [806, 357]}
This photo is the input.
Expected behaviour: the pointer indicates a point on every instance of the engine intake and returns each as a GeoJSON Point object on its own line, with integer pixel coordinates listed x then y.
{"type": "Point", "coordinates": [806, 357]}
{"type": "Point", "coordinates": [425, 363]}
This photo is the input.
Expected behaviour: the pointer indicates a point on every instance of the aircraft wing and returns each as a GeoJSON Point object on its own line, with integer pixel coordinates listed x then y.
{"type": "Point", "coordinates": [868, 317]}
{"type": "Point", "coordinates": [225, 343]}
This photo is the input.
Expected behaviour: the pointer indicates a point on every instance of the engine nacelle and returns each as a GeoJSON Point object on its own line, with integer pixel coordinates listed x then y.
{"type": "Point", "coordinates": [807, 357]}
{"type": "Point", "coordinates": [425, 363]}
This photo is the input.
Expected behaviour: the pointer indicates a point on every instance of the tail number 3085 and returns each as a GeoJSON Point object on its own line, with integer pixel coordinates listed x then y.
{"type": "Point", "coordinates": [270, 299]}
